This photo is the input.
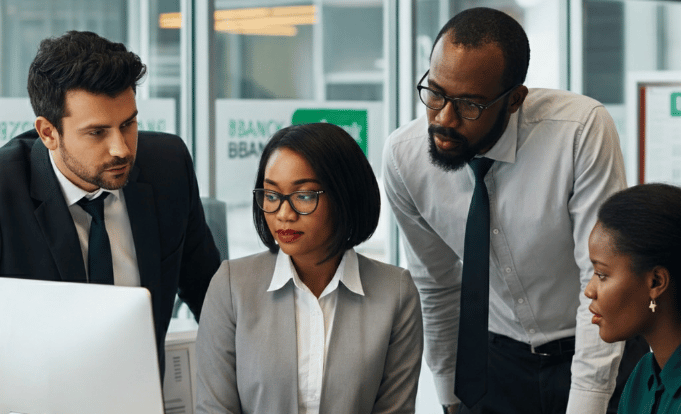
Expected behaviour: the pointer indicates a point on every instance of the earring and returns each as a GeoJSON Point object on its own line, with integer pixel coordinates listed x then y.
{"type": "Point", "coordinates": [652, 305]}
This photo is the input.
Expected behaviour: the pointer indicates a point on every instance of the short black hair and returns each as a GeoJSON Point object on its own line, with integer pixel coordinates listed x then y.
{"type": "Point", "coordinates": [345, 175]}
{"type": "Point", "coordinates": [644, 223]}
{"type": "Point", "coordinates": [473, 28]}
{"type": "Point", "coordinates": [79, 61]}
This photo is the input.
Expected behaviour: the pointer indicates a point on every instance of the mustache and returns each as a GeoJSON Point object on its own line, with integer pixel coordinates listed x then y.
{"type": "Point", "coordinates": [449, 133]}
{"type": "Point", "coordinates": [117, 162]}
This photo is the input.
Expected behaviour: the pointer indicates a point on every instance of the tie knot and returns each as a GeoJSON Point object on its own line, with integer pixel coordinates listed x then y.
{"type": "Point", "coordinates": [480, 166]}
{"type": "Point", "coordinates": [94, 207]}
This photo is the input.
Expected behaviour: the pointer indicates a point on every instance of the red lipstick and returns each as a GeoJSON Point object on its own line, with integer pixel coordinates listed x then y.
{"type": "Point", "coordinates": [289, 236]}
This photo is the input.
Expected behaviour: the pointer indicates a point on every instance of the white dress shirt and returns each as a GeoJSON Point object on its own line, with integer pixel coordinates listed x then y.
{"type": "Point", "coordinates": [117, 222]}
{"type": "Point", "coordinates": [557, 161]}
{"type": "Point", "coordinates": [314, 322]}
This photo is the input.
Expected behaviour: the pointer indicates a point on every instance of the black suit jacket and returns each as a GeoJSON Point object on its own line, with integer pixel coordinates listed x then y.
{"type": "Point", "coordinates": [175, 249]}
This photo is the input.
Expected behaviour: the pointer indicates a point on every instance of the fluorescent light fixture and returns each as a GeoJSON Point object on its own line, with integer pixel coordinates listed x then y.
{"type": "Point", "coordinates": [170, 20]}
{"type": "Point", "coordinates": [267, 21]}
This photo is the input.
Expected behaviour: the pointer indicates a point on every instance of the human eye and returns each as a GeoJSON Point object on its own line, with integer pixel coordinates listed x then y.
{"type": "Point", "coordinates": [96, 132]}
{"type": "Point", "coordinates": [271, 196]}
{"type": "Point", "coordinates": [599, 275]}
{"type": "Point", "coordinates": [306, 196]}
{"type": "Point", "coordinates": [467, 108]}
{"type": "Point", "coordinates": [129, 123]}
{"type": "Point", "coordinates": [431, 97]}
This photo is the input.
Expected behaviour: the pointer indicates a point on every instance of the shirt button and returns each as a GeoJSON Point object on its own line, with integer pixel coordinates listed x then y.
{"type": "Point", "coordinates": [521, 300]}
{"type": "Point", "coordinates": [532, 331]}
{"type": "Point", "coordinates": [508, 270]}
{"type": "Point", "coordinates": [495, 231]}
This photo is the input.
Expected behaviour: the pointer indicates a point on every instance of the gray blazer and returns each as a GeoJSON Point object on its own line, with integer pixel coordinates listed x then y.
{"type": "Point", "coordinates": [247, 353]}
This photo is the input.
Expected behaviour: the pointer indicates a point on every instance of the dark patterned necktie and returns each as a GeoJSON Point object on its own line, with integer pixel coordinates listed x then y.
{"type": "Point", "coordinates": [471, 357]}
{"type": "Point", "coordinates": [100, 265]}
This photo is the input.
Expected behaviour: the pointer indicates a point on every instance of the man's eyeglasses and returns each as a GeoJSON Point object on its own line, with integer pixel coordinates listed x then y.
{"type": "Point", "coordinates": [463, 107]}
{"type": "Point", "coordinates": [302, 202]}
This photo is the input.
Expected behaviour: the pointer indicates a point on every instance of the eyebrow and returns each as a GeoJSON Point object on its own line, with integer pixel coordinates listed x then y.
{"type": "Point", "coordinates": [434, 85]}
{"type": "Point", "coordinates": [297, 182]}
{"type": "Point", "coordinates": [596, 262]}
{"type": "Point", "coordinates": [104, 126]}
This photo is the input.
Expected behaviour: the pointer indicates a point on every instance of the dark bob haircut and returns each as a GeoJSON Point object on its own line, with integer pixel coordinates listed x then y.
{"type": "Point", "coordinates": [345, 175]}
{"type": "Point", "coordinates": [644, 223]}
{"type": "Point", "coordinates": [79, 60]}
{"type": "Point", "coordinates": [473, 28]}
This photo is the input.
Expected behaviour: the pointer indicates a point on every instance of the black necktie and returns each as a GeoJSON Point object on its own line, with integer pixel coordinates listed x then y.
{"type": "Point", "coordinates": [471, 357]}
{"type": "Point", "coordinates": [100, 266]}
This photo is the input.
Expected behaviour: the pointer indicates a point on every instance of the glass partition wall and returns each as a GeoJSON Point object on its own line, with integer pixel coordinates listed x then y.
{"type": "Point", "coordinates": [226, 74]}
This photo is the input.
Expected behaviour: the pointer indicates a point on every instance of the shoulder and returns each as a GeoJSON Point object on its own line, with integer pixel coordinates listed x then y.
{"type": "Point", "coordinates": [15, 158]}
{"type": "Point", "coordinates": [155, 144]}
{"type": "Point", "coordinates": [557, 105]}
{"type": "Point", "coordinates": [405, 147]}
{"type": "Point", "coordinates": [18, 148]}
{"type": "Point", "coordinates": [408, 136]}
{"type": "Point", "coordinates": [385, 277]}
{"type": "Point", "coordinates": [249, 272]}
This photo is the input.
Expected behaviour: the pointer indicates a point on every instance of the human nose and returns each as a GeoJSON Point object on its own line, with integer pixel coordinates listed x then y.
{"type": "Point", "coordinates": [590, 290]}
{"type": "Point", "coordinates": [118, 145]}
{"type": "Point", "coordinates": [286, 212]}
{"type": "Point", "coordinates": [448, 115]}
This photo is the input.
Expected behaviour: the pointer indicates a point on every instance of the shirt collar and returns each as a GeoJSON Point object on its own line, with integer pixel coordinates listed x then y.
{"type": "Point", "coordinates": [72, 193]}
{"type": "Point", "coordinates": [669, 376]}
{"type": "Point", "coordinates": [346, 273]}
{"type": "Point", "coordinates": [505, 148]}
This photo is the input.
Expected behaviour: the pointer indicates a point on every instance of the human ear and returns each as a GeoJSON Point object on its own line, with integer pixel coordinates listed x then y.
{"type": "Point", "coordinates": [517, 98]}
{"type": "Point", "coordinates": [659, 280]}
{"type": "Point", "coordinates": [48, 132]}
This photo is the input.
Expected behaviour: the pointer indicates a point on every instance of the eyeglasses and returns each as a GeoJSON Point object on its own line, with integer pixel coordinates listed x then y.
{"type": "Point", "coordinates": [463, 107]}
{"type": "Point", "coordinates": [302, 202]}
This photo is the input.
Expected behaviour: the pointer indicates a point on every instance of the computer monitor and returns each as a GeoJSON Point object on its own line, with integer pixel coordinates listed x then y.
{"type": "Point", "coordinates": [77, 348]}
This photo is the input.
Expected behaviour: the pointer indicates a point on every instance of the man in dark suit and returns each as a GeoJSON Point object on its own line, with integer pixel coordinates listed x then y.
{"type": "Point", "coordinates": [85, 145]}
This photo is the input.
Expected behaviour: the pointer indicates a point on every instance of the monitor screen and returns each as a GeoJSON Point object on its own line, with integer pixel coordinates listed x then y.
{"type": "Point", "coordinates": [77, 348]}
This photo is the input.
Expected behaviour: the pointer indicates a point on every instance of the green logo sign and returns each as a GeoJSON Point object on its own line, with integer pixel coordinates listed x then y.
{"type": "Point", "coordinates": [353, 121]}
{"type": "Point", "coordinates": [676, 104]}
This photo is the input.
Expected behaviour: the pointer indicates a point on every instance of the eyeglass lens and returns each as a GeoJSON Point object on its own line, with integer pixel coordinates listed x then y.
{"type": "Point", "coordinates": [434, 100]}
{"type": "Point", "coordinates": [304, 202]}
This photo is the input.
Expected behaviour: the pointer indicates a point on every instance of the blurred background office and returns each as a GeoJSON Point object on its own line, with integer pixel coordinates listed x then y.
{"type": "Point", "coordinates": [226, 74]}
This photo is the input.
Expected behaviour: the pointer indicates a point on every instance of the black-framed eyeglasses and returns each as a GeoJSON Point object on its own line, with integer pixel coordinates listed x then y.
{"type": "Point", "coordinates": [302, 202]}
{"type": "Point", "coordinates": [464, 108]}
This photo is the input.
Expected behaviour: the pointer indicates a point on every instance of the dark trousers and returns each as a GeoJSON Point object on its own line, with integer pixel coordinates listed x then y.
{"type": "Point", "coordinates": [521, 382]}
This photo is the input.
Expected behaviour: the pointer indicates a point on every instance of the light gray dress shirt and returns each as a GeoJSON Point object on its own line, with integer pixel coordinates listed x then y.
{"type": "Point", "coordinates": [557, 161]}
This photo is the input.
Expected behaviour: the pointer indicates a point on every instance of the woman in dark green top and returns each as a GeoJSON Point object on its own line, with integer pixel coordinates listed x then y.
{"type": "Point", "coordinates": [635, 249]}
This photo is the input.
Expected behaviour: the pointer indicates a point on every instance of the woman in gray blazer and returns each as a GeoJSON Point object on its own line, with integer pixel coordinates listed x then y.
{"type": "Point", "coordinates": [310, 326]}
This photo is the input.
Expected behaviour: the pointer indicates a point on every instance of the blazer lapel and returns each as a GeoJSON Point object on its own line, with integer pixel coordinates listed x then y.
{"type": "Point", "coordinates": [54, 218]}
{"type": "Point", "coordinates": [286, 347]}
{"type": "Point", "coordinates": [139, 199]}
{"type": "Point", "coordinates": [343, 342]}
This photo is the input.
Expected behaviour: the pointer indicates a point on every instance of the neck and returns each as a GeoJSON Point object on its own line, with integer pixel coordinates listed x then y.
{"type": "Point", "coordinates": [664, 337]}
{"type": "Point", "coordinates": [316, 276]}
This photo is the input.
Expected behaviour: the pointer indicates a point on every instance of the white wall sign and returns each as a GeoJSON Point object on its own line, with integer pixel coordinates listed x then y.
{"type": "Point", "coordinates": [243, 128]}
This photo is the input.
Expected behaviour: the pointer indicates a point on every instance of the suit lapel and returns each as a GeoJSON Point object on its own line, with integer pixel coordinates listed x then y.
{"type": "Point", "coordinates": [343, 342]}
{"type": "Point", "coordinates": [54, 218]}
{"type": "Point", "coordinates": [286, 347]}
{"type": "Point", "coordinates": [139, 200]}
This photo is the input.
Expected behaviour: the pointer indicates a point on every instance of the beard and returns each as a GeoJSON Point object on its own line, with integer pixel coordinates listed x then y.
{"type": "Point", "coordinates": [452, 161]}
{"type": "Point", "coordinates": [97, 177]}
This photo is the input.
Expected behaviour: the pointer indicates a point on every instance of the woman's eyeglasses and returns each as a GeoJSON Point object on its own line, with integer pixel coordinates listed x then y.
{"type": "Point", "coordinates": [302, 202]}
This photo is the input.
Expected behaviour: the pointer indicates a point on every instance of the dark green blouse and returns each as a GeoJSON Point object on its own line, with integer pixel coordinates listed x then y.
{"type": "Point", "coordinates": [651, 391]}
